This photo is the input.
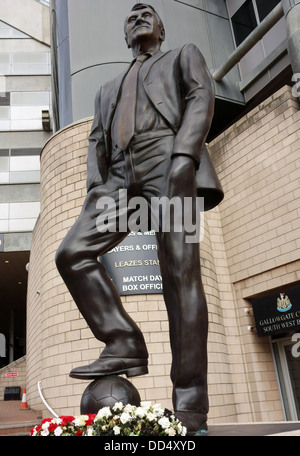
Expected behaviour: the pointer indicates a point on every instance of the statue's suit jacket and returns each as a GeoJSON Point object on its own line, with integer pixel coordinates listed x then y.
{"type": "Point", "coordinates": [180, 87]}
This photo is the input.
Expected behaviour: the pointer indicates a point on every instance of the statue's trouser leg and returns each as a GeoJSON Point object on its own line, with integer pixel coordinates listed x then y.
{"type": "Point", "coordinates": [187, 311]}
{"type": "Point", "coordinates": [87, 280]}
{"type": "Point", "coordinates": [180, 268]}
{"type": "Point", "coordinates": [145, 169]}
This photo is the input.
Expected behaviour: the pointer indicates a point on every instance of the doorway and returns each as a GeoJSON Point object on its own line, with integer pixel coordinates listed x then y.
{"type": "Point", "coordinates": [286, 353]}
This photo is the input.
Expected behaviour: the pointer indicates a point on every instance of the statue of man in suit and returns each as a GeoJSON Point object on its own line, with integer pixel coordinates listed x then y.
{"type": "Point", "coordinates": [174, 106]}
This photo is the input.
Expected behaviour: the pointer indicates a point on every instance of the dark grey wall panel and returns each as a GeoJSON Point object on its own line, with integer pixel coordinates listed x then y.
{"type": "Point", "coordinates": [83, 94]}
{"type": "Point", "coordinates": [91, 41]}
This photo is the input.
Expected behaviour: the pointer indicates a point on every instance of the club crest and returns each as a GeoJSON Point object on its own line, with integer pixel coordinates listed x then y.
{"type": "Point", "coordinates": [283, 303]}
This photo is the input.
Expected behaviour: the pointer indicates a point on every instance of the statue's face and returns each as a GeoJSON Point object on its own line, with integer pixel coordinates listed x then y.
{"type": "Point", "coordinates": [143, 25]}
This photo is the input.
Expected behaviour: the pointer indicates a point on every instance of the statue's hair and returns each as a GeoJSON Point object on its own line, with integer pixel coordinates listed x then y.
{"type": "Point", "coordinates": [139, 6]}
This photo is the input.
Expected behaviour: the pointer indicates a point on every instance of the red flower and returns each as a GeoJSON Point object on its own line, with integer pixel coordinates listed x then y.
{"type": "Point", "coordinates": [46, 420]}
{"type": "Point", "coordinates": [78, 433]}
{"type": "Point", "coordinates": [66, 420]}
{"type": "Point", "coordinates": [90, 419]}
{"type": "Point", "coordinates": [52, 427]}
{"type": "Point", "coordinates": [32, 430]}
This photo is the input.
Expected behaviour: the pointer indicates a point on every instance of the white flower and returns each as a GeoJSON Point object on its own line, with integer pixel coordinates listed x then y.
{"type": "Point", "coordinates": [129, 408]}
{"type": "Point", "coordinates": [125, 417]}
{"type": "Point", "coordinates": [170, 431]}
{"type": "Point", "coordinates": [45, 425]}
{"type": "Point", "coordinates": [158, 410]}
{"type": "Point", "coordinates": [90, 431]}
{"type": "Point", "coordinates": [150, 416]}
{"type": "Point", "coordinates": [118, 406]}
{"type": "Point", "coordinates": [57, 421]}
{"type": "Point", "coordinates": [58, 431]}
{"type": "Point", "coordinates": [140, 412]}
{"type": "Point", "coordinates": [103, 413]}
{"type": "Point", "coordinates": [179, 427]}
{"type": "Point", "coordinates": [80, 420]}
{"type": "Point", "coordinates": [45, 433]}
{"type": "Point", "coordinates": [184, 430]}
{"type": "Point", "coordinates": [117, 430]}
{"type": "Point", "coordinates": [146, 405]}
{"type": "Point", "coordinates": [164, 422]}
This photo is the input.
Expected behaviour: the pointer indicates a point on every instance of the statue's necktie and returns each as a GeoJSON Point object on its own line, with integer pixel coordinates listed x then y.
{"type": "Point", "coordinates": [124, 118]}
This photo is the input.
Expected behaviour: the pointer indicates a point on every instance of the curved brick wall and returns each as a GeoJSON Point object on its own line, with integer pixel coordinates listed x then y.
{"type": "Point", "coordinates": [58, 336]}
{"type": "Point", "coordinates": [250, 247]}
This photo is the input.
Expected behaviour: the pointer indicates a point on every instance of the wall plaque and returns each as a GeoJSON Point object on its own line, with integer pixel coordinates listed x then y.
{"type": "Point", "coordinates": [277, 313]}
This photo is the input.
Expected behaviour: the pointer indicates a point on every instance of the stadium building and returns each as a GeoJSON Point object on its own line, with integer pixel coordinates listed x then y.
{"type": "Point", "coordinates": [250, 246]}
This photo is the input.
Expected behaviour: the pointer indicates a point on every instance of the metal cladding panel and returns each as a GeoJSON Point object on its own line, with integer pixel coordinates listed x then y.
{"type": "Point", "coordinates": [97, 32]}
{"type": "Point", "coordinates": [211, 6]}
{"type": "Point", "coordinates": [85, 85]}
{"type": "Point", "coordinates": [221, 46]}
{"type": "Point", "coordinates": [61, 73]}
{"type": "Point", "coordinates": [98, 51]}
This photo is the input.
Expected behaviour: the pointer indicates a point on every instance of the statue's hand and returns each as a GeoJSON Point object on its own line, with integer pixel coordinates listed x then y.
{"type": "Point", "coordinates": [182, 180]}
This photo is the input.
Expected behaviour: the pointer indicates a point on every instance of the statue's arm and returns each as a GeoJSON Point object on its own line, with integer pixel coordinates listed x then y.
{"type": "Point", "coordinates": [199, 104]}
{"type": "Point", "coordinates": [96, 160]}
{"type": "Point", "coordinates": [199, 109]}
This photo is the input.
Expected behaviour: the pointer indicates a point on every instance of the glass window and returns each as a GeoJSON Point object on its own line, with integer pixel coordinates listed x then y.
{"type": "Point", "coordinates": [4, 58]}
{"type": "Point", "coordinates": [30, 99]}
{"type": "Point", "coordinates": [3, 226]}
{"type": "Point", "coordinates": [21, 177]}
{"type": "Point", "coordinates": [24, 151]}
{"type": "Point", "coordinates": [265, 7]}
{"type": "Point", "coordinates": [30, 124]}
{"type": "Point", "coordinates": [4, 112]}
{"type": "Point", "coordinates": [4, 96]}
{"type": "Point", "coordinates": [30, 57]}
{"type": "Point", "coordinates": [30, 63]}
{"type": "Point", "coordinates": [5, 67]}
{"type": "Point", "coordinates": [4, 211]}
{"type": "Point", "coordinates": [24, 210]}
{"type": "Point", "coordinates": [243, 22]}
{"type": "Point", "coordinates": [4, 164]}
{"type": "Point", "coordinates": [16, 225]}
{"type": "Point", "coordinates": [25, 163]}
{"type": "Point", "coordinates": [27, 112]}
{"type": "Point", "coordinates": [23, 69]}
{"type": "Point", "coordinates": [4, 125]}
{"type": "Point", "coordinates": [4, 178]}
{"type": "Point", "coordinates": [6, 31]}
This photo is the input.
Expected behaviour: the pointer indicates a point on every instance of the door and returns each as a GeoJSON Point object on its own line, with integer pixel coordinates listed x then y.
{"type": "Point", "coordinates": [287, 359]}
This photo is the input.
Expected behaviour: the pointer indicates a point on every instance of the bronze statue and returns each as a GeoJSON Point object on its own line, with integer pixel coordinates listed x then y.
{"type": "Point", "coordinates": [159, 156]}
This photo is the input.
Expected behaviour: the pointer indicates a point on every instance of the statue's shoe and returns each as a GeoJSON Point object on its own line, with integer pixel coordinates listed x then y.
{"type": "Point", "coordinates": [102, 367]}
{"type": "Point", "coordinates": [195, 423]}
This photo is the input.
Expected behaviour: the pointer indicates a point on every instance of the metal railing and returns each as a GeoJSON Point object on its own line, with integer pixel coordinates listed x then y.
{"type": "Point", "coordinates": [249, 42]}
{"type": "Point", "coordinates": [44, 2]}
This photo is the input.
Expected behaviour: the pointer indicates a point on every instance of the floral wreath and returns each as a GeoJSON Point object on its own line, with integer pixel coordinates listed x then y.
{"type": "Point", "coordinates": [119, 420]}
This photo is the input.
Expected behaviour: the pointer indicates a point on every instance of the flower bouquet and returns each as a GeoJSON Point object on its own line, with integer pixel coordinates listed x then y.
{"type": "Point", "coordinates": [63, 426]}
{"type": "Point", "coordinates": [129, 420]}
{"type": "Point", "coordinates": [119, 420]}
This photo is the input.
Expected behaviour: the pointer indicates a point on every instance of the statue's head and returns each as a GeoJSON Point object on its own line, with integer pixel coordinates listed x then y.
{"type": "Point", "coordinates": [143, 23]}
